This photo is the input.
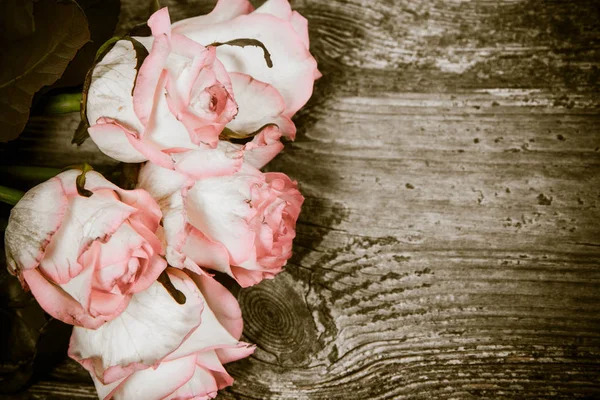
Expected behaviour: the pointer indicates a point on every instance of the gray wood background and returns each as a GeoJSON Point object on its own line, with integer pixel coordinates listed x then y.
{"type": "Point", "coordinates": [449, 246]}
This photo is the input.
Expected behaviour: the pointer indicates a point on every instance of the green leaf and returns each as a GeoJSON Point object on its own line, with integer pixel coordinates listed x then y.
{"type": "Point", "coordinates": [38, 60]}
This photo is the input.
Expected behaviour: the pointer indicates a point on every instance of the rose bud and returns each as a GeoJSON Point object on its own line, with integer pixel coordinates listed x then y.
{"type": "Point", "coordinates": [160, 349]}
{"type": "Point", "coordinates": [241, 224]}
{"type": "Point", "coordinates": [84, 257]}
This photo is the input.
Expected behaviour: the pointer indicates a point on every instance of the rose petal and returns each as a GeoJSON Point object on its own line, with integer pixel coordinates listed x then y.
{"type": "Point", "coordinates": [109, 94]}
{"type": "Point", "coordinates": [87, 219]}
{"type": "Point", "coordinates": [59, 304]}
{"type": "Point", "coordinates": [224, 10]}
{"type": "Point", "coordinates": [231, 354]}
{"type": "Point", "coordinates": [205, 162]}
{"type": "Point", "coordinates": [259, 104]}
{"type": "Point", "coordinates": [205, 252]}
{"type": "Point", "coordinates": [160, 182]}
{"type": "Point", "coordinates": [112, 140]}
{"type": "Point", "coordinates": [153, 326]}
{"type": "Point", "coordinates": [293, 68]}
{"type": "Point", "coordinates": [223, 304]}
{"type": "Point", "coordinates": [202, 385]}
{"type": "Point", "coordinates": [156, 383]}
{"type": "Point", "coordinates": [263, 147]}
{"type": "Point", "coordinates": [146, 85]}
{"type": "Point", "coordinates": [220, 208]}
{"type": "Point", "coordinates": [160, 23]}
{"type": "Point", "coordinates": [33, 222]}
{"type": "Point", "coordinates": [282, 9]}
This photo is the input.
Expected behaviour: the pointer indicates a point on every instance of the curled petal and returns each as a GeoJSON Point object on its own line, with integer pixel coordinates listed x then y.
{"type": "Point", "coordinates": [259, 104]}
{"type": "Point", "coordinates": [160, 182]}
{"type": "Point", "coordinates": [33, 222]}
{"type": "Point", "coordinates": [293, 68]}
{"type": "Point", "coordinates": [114, 142]}
{"type": "Point", "coordinates": [59, 304]}
{"type": "Point", "coordinates": [110, 91]}
{"type": "Point", "coordinates": [146, 86]}
{"type": "Point", "coordinates": [160, 23]}
{"type": "Point", "coordinates": [223, 304]}
{"type": "Point", "coordinates": [263, 147]}
{"type": "Point", "coordinates": [153, 383]}
{"type": "Point", "coordinates": [224, 10]}
{"type": "Point", "coordinates": [86, 220]}
{"type": "Point", "coordinates": [145, 148]}
{"type": "Point", "coordinates": [205, 162]}
{"type": "Point", "coordinates": [153, 326]}
{"type": "Point", "coordinates": [219, 207]}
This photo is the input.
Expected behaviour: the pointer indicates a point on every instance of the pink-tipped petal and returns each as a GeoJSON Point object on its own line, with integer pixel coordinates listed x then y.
{"type": "Point", "coordinates": [300, 25]}
{"type": "Point", "coordinates": [259, 104]}
{"type": "Point", "coordinates": [113, 141]}
{"type": "Point", "coordinates": [160, 182]}
{"type": "Point", "coordinates": [205, 162]}
{"type": "Point", "coordinates": [225, 10]}
{"type": "Point", "coordinates": [58, 303]}
{"type": "Point", "coordinates": [220, 208]}
{"type": "Point", "coordinates": [156, 383]}
{"type": "Point", "coordinates": [86, 220]}
{"type": "Point", "coordinates": [110, 91]}
{"type": "Point", "coordinates": [263, 147]}
{"type": "Point", "coordinates": [205, 252]}
{"type": "Point", "coordinates": [231, 354]}
{"type": "Point", "coordinates": [33, 222]}
{"type": "Point", "coordinates": [146, 87]}
{"type": "Point", "coordinates": [293, 68]}
{"type": "Point", "coordinates": [153, 326]}
{"type": "Point", "coordinates": [202, 385]}
{"type": "Point", "coordinates": [160, 22]}
{"type": "Point", "coordinates": [245, 277]}
{"type": "Point", "coordinates": [222, 303]}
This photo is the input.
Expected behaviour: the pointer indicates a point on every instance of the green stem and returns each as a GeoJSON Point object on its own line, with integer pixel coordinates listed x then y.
{"type": "Point", "coordinates": [28, 173]}
{"type": "Point", "coordinates": [62, 103]}
{"type": "Point", "coordinates": [10, 196]}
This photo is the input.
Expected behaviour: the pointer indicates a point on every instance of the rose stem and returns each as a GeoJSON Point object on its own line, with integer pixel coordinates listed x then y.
{"type": "Point", "coordinates": [10, 196]}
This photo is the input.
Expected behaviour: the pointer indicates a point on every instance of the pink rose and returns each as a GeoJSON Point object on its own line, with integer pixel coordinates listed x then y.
{"type": "Point", "coordinates": [241, 224]}
{"type": "Point", "coordinates": [84, 257]}
{"type": "Point", "coordinates": [183, 96]}
{"type": "Point", "coordinates": [159, 349]}
{"type": "Point", "coordinates": [180, 98]}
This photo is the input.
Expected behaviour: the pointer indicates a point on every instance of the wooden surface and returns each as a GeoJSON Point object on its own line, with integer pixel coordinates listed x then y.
{"type": "Point", "coordinates": [449, 246]}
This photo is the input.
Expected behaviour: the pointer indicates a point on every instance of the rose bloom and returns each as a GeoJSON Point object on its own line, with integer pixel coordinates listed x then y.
{"type": "Point", "coordinates": [187, 91]}
{"type": "Point", "coordinates": [242, 224]}
{"type": "Point", "coordinates": [159, 349]}
{"type": "Point", "coordinates": [84, 257]}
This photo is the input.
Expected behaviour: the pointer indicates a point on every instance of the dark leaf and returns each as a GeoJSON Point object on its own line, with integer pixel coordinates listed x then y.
{"type": "Point", "coordinates": [37, 60]}
{"type": "Point", "coordinates": [80, 181]}
{"type": "Point", "coordinates": [30, 341]}
{"type": "Point", "coordinates": [81, 133]}
{"type": "Point", "coordinates": [229, 134]}
{"type": "Point", "coordinates": [16, 19]}
{"type": "Point", "coordinates": [102, 16]}
{"type": "Point", "coordinates": [247, 42]}
{"type": "Point", "coordinates": [177, 295]}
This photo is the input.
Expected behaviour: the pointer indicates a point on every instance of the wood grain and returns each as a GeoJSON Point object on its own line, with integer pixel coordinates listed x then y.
{"type": "Point", "coordinates": [449, 244]}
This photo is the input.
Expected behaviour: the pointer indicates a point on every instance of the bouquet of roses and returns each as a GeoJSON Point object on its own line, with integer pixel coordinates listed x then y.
{"type": "Point", "coordinates": [202, 104]}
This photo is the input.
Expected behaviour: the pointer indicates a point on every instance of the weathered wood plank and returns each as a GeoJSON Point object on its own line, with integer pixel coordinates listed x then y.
{"type": "Point", "coordinates": [449, 245]}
